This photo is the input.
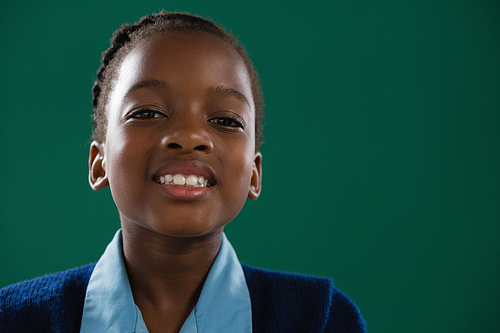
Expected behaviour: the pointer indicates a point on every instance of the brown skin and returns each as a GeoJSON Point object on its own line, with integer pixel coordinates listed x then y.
{"type": "Point", "coordinates": [170, 240]}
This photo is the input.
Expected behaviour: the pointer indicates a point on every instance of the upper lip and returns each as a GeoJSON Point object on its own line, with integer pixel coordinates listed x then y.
{"type": "Point", "coordinates": [191, 167]}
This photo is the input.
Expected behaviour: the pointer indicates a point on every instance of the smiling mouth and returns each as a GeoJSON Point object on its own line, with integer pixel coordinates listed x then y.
{"type": "Point", "coordinates": [186, 181]}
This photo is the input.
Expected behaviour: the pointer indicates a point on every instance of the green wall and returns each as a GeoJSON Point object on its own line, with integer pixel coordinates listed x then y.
{"type": "Point", "coordinates": [381, 161]}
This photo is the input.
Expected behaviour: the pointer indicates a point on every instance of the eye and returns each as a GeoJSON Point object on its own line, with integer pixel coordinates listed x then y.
{"type": "Point", "coordinates": [226, 122]}
{"type": "Point", "coordinates": [147, 114]}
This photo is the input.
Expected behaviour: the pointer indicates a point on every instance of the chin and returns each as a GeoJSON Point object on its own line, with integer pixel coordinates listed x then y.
{"type": "Point", "coordinates": [188, 231]}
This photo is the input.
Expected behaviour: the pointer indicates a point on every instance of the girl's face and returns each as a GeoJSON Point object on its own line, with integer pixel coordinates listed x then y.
{"type": "Point", "coordinates": [181, 106]}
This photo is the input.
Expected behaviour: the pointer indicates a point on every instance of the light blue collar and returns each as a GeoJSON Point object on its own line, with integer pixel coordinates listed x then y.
{"type": "Point", "coordinates": [224, 303]}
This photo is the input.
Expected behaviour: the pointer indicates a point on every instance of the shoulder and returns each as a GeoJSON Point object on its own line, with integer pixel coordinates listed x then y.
{"type": "Point", "coordinates": [286, 302]}
{"type": "Point", "coordinates": [49, 303]}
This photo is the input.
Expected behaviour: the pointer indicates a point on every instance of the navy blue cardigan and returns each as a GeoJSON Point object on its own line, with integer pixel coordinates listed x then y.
{"type": "Point", "coordinates": [281, 302]}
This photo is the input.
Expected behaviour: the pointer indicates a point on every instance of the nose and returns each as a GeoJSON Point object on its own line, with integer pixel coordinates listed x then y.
{"type": "Point", "coordinates": [187, 135]}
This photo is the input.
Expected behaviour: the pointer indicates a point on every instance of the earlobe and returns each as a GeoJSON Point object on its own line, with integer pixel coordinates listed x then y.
{"type": "Point", "coordinates": [256, 181]}
{"type": "Point", "coordinates": [98, 178]}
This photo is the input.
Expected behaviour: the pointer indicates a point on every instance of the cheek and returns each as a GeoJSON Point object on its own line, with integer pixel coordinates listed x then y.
{"type": "Point", "coordinates": [125, 172]}
{"type": "Point", "coordinates": [119, 157]}
{"type": "Point", "coordinates": [239, 182]}
{"type": "Point", "coordinates": [126, 150]}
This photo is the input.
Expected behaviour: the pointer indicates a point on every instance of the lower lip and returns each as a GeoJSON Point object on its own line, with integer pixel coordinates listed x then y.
{"type": "Point", "coordinates": [184, 192]}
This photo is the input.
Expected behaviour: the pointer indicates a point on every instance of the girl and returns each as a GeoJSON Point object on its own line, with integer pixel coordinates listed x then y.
{"type": "Point", "coordinates": [177, 127]}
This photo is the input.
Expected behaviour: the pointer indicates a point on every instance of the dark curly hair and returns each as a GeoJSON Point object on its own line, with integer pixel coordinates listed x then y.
{"type": "Point", "coordinates": [128, 35]}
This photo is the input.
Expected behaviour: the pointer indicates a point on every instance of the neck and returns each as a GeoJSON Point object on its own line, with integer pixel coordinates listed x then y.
{"type": "Point", "coordinates": [166, 273]}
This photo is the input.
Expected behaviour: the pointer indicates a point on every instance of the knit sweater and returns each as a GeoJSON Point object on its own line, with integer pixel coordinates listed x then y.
{"type": "Point", "coordinates": [281, 302]}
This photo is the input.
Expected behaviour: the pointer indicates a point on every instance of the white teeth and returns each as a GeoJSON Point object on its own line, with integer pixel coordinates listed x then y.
{"type": "Point", "coordinates": [191, 180]}
{"type": "Point", "coordinates": [178, 179]}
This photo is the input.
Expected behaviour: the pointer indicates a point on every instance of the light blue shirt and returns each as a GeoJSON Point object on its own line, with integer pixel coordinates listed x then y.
{"type": "Point", "coordinates": [223, 306]}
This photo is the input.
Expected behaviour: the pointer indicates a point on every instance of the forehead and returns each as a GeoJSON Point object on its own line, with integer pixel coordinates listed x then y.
{"type": "Point", "coordinates": [198, 59]}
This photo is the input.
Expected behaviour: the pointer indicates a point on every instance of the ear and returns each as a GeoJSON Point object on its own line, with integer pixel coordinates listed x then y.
{"type": "Point", "coordinates": [256, 181]}
{"type": "Point", "coordinates": [98, 178]}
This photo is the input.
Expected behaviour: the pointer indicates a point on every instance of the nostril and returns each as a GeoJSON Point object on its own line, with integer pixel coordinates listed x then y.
{"type": "Point", "coordinates": [174, 145]}
{"type": "Point", "coordinates": [201, 148]}
{"type": "Point", "coordinates": [187, 147]}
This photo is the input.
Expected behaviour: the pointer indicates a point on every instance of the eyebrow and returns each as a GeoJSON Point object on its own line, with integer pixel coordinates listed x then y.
{"type": "Point", "coordinates": [232, 92]}
{"type": "Point", "coordinates": [160, 84]}
{"type": "Point", "coordinates": [153, 83]}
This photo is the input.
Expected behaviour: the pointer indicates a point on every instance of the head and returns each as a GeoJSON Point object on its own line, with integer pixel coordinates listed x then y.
{"type": "Point", "coordinates": [177, 113]}
{"type": "Point", "coordinates": [126, 38]}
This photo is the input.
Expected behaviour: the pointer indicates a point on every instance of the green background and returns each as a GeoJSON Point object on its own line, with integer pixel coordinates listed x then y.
{"type": "Point", "coordinates": [381, 161]}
